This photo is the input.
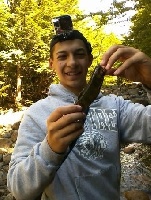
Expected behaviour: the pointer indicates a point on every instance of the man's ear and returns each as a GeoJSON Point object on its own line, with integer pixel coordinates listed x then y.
{"type": "Point", "coordinates": [50, 63]}
{"type": "Point", "coordinates": [90, 59]}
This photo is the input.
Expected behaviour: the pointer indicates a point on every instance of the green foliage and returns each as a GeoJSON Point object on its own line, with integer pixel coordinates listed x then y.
{"type": "Point", "coordinates": [25, 33]}
{"type": "Point", "coordinates": [140, 36]}
{"type": "Point", "coordinates": [99, 40]}
{"type": "Point", "coordinates": [3, 89]}
{"type": "Point", "coordinates": [4, 30]}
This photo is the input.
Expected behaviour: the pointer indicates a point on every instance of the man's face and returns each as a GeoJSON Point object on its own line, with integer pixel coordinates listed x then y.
{"type": "Point", "coordinates": [71, 62]}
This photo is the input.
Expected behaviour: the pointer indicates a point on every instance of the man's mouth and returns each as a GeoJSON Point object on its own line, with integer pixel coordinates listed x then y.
{"type": "Point", "coordinates": [72, 73]}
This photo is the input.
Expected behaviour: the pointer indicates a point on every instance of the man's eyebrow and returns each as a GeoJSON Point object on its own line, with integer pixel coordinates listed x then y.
{"type": "Point", "coordinates": [76, 50]}
{"type": "Point", "coordinates": [60, 52]}
{"type": "Point", "coordinates": [80, 49]}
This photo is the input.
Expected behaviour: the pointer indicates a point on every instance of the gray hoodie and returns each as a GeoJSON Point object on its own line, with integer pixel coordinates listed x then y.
{"type": "Point", "coordinates": [91, 170]}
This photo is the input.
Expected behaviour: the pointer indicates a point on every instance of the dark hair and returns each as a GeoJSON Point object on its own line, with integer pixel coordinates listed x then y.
{"type": "Point", "coordinates": [70, 35]}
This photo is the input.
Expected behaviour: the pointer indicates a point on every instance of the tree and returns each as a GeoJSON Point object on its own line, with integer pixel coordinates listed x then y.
{"type": "Point", "coordinates": [5, 34]}
{"type": "Point", "coordinates": [93, 29]}
{"type": "Point", "coordinates": [4, 29]}
{"type": "Point", "coordinates": [139, 36]}
{"type": "Point", "coordinates": [26, 58]}
{"type": "Point", "coordinates": [31, 30]}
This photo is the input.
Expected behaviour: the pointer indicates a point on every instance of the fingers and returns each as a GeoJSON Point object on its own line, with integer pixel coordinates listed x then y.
{"type": "Point", "coordinates": [127, 64]}
{"type": "Point", "coordinates": [64, 137]}
{"type": "Point", "coordinates": [62, 111]}
{"type": "Point", "coordinates": [66, 120]}
{"type": "Point", "coordinates": [107, 55]}
{"type": "Point", "coordinates": [60, 144]}
{"type": "Point", "coordinates": [117, 53]}
{"type": "Point", "coordinates": [132, 58]}
{"type": "Point", "coordinates": [64, 116]}
{"type": "Point", "coordinates": [135, 65]}
{"type": "Point", "coordinates": [64, 125]}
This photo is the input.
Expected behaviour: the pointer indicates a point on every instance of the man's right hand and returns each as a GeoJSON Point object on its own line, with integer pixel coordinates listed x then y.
{"type": "Point", "coordinates": [64, 125]}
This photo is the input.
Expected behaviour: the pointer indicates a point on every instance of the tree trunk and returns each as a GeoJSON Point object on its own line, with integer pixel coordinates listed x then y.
{"type": "Point", "coordinates": [18, 87]}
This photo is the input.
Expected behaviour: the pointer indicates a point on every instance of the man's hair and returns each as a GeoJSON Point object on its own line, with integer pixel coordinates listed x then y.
{"type": "Point", "coordinates": [70, 35]}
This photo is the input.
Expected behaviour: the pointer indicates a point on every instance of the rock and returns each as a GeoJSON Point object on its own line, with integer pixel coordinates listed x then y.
{"type": "Point", "coordinates": [144, 102]}
{"type": "Point", "coordinates": [136, 195]}
{"type": "Point", "coordinates": [14, 135]}
{"type": "Point", "coordinates": [131, 173]}
{"type": "Point", "coordinates": [7, 134]}
{"type": "Point", "coordinates": [6, 159]}
{"type": "Point", "coordinates": [1, 130]}
{"type": "Point", "coordinates": [2, 192]}
{"type": "Point", "coordinates": [10, 118]}
{"type": "Point", "coordinates": [129, 149]}
{"type": "Point", "coordinates": [3, 151]}
{"type": "Point", "coordinates": [5, 143]}
{"type": "Point", "coordinates": [16, 126]}
{"type": "Point", "coordinates": [1, 157]}
{"type": "Point", "coordinates": [10, 150]}
{"type": "Point", "coordinates": [9, 197]}
{"type": "Point", "coordinates": [143, 178]}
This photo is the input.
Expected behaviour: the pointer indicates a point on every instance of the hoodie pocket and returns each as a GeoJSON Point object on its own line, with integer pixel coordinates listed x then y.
{"type": "Point", "coordinates": [101, 186]}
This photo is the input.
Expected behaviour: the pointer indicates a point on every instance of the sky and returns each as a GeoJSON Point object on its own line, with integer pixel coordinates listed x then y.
{"type": "Point", "coordinates": [92, 5]}
{"type": "Point", "coordinates": [119, 27]}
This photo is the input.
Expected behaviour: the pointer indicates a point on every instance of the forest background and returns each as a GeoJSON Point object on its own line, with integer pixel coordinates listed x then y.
{"type": "Point", "coordinates": [26, 31]}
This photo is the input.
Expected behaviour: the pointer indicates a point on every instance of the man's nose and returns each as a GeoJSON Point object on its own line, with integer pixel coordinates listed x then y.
{"type": "Point", "coordinates": [71, 61]}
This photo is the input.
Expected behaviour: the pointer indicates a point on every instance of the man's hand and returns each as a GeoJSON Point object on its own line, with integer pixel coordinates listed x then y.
{"type": "Point", "coordinates": [136, 66]}
{"type": "Point", "coordinates": [64, 125]}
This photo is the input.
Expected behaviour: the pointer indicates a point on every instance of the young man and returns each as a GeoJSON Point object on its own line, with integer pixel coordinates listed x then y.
{"type": "Point", "coordinates": [43, 162]}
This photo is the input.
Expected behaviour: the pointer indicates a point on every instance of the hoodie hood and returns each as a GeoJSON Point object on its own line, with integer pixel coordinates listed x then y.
{"type": "Point", "coordinates": [59, 91]}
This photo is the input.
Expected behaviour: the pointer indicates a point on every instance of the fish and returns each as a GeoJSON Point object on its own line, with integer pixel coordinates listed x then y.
{"type": "Point", "coordinates": [92, 89]}
{"type": "Point", "coordinates": [90, 92]}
